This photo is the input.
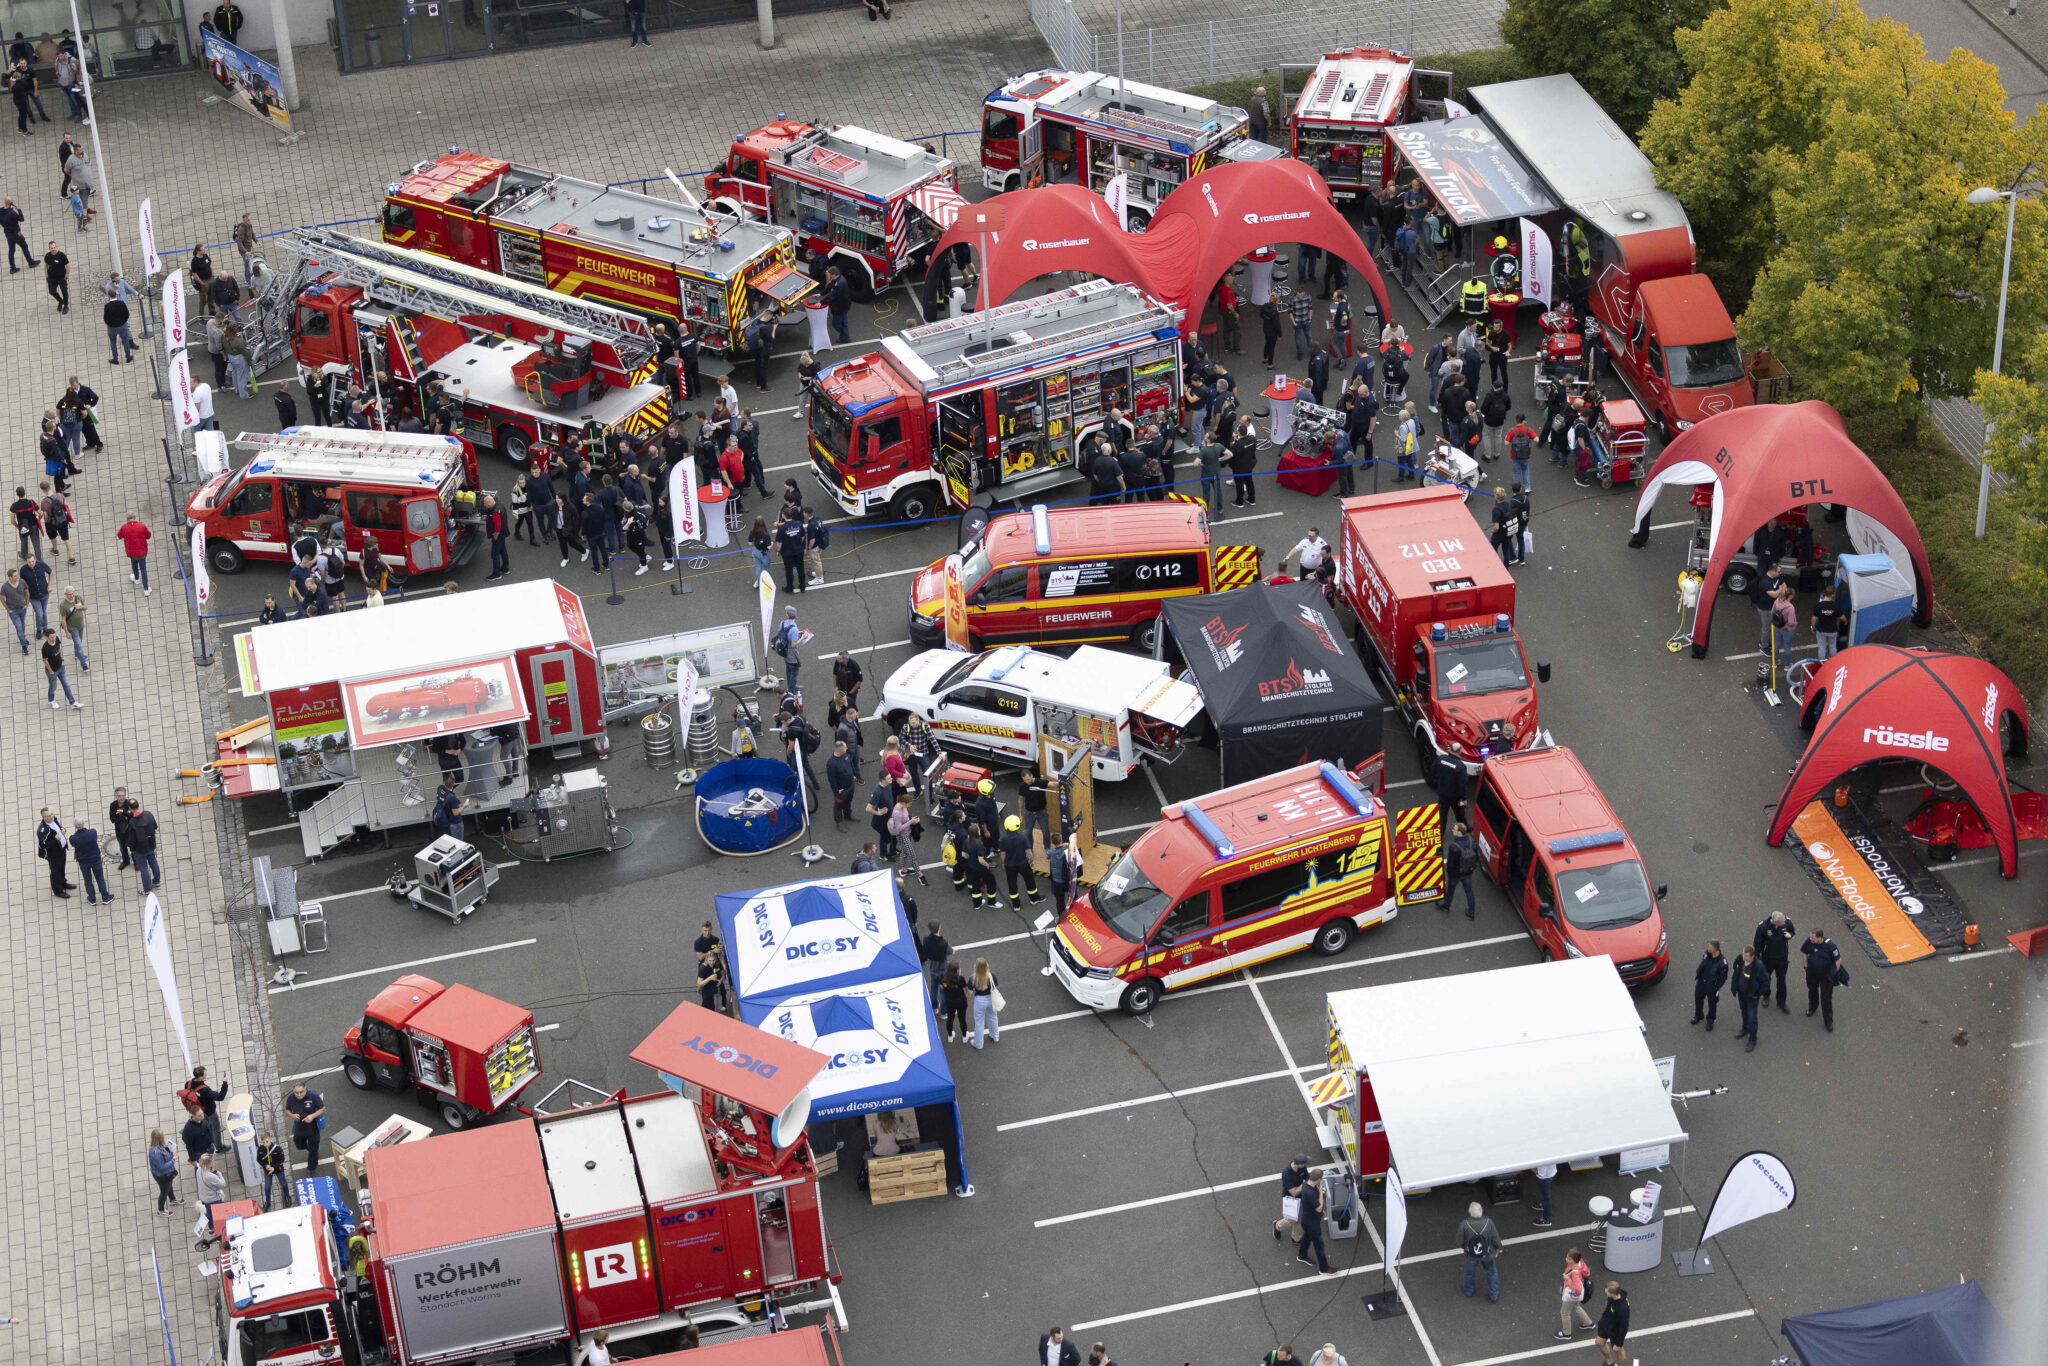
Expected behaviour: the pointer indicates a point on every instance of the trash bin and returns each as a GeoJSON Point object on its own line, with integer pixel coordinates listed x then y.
{"type": "Point", "coordinates": [1632, 1246]}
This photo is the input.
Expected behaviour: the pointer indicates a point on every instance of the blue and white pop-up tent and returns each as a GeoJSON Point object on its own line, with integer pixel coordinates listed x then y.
{"type": "Point", "coordinates": [883, 1044]}
{"type": "Point", "coordinates": [814, 936]}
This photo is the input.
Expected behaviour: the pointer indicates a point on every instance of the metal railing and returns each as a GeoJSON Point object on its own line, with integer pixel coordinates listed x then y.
{"type": "Point", "coordinates": [1180, 55]}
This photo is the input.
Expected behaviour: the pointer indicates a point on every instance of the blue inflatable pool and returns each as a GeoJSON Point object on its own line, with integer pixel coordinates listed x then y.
{"type": "Point", "coordinates": [748, 806]}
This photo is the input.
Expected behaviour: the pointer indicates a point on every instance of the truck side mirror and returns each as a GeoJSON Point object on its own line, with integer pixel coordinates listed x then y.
{"type": "Point", "coordinates": [1163, 938]}
{"type": "Point", "coordinates": [1542, 671]}
{"type": "Point", "coordinates": [1663, 890]}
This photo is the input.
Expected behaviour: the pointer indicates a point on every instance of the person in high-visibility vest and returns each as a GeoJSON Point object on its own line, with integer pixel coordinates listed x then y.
{"type": "Point", "coordinates": [1472, 298]}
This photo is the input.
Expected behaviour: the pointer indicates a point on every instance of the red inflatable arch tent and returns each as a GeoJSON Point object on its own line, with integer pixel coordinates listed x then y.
{"type": "Point", "coordinates": [1763, 462]}
{"type": "Point", "coordinates": [1199, 232]}
{"type": "Point", "coordinates": [1885, 702]}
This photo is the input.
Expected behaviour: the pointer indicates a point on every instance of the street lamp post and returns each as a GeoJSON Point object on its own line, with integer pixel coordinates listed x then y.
{"type": "Point", "coordinates": [1987, 195]}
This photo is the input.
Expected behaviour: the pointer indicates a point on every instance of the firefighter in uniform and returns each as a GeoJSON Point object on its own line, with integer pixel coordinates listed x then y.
{"type": "Point", "coordinates": [1016, 847]}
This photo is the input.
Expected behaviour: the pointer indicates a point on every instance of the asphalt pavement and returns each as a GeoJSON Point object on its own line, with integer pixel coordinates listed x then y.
{"type": "Point", "coordinates": [1123, 1169]}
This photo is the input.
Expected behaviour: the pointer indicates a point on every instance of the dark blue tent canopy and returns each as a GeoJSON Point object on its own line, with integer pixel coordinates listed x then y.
{"type": "Point", "coordinates": [1952, 1327]}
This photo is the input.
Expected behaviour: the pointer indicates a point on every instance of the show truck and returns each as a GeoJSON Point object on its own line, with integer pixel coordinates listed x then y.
{"type": "Point", "coordinates": [653, 256]}
{"type": "Point", "coordinates": [1668, 333]}
{"type": "Point", "coordinates": [528, 367]}
{"type": "Point", "coordinates": [995, 403]}
{"type": "Point", "coordinates": [1338, 120]}
{"type": "Point", "coordinates": [1050, 126]}
{"type": "Point", "coordinates": [1436, 617]}
{"type": "Point", "coordinates": [520, 1240]}
{"type": "Point", "coordinates": [873, 204]}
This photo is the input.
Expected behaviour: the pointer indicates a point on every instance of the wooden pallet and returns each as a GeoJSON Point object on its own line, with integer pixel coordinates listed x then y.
{"type": "Point", "coordinates": [907, 1176]}
{"type": "Point", "coordinates": [827, 1163]}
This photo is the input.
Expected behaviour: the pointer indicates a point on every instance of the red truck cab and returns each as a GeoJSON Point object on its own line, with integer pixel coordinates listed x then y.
{"type": "Point", "coordinates": [1667, 331]}
{"type": "Point", "coordinates": [469, 1054]}
{"type": "Point", "coordinates": [1435, 611]}
{"type": "Point", "coordinates": [1557, 850]}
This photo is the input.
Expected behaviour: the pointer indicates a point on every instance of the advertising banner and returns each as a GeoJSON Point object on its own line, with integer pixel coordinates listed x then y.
{"type": "Point", "coordinates": [246, 81]}
{"type": "Point", "coordinates": [156, 947]}
{"type": "Point", "coordinates": [174, 310]}
{"type": "Point", "coordinates": [685, 517]}
{"type": "Point", "coordinates": [1757, 1184]}
{"type": "Point", "coordinates": [151, 262]}
{"type": "Point", "coordinates": [766, 589]}
{"type": "Point", "coordinates": [202, 586]}
{"type": "Point", "coordinates": [181, 391]}
{"type": "Point", "coordinates": [1537, 265]}
{"type": "Point", "coordinates": [412, 706]}
{"type": "Point", "coordinates": [654, 667]}
{"type": "Point", "coordinates": [956, 606]}
{"type": "Point", "coordinates": [1469, 171]}
{"type": "Point", "coordinates": [1397, 1218]}
{"type": "Point", "coordinates": [1117, 195]}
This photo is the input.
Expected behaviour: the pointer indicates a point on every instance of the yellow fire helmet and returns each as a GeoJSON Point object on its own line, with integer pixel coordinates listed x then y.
{"type": "Point", "coordinates": [1013, 823]}
{"type": "Point", "coordinates": [985, 787]}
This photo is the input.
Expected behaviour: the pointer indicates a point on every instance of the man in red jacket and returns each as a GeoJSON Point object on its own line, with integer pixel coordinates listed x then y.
{"type": "Point", "coordinates": [134, 538]}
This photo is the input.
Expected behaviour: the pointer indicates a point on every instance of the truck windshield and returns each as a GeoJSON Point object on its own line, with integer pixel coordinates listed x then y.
{"type": "Point", "coordinates": [831, 426]}
{"type": "Point", "coordinates": [1704, 365]}
{"type": "Point", "coordinates": [1607, 897]}
{"type": "Point", "coordinates": [1128, 902]}
{"type": "Point", "coordinates": [974, 568]}
{"type": "Point", "coordinates": [1479, 666]}
{"type": "Point", "coordinates": [956, 673]}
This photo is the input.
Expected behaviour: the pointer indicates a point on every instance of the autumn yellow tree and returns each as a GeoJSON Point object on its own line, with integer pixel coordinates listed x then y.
{"type": "Point", "coordinates": [1761, 76]}
{"type": "Point", "coordinates": [1882, 291]}
{"type": "Point", "coordinates": [2015, 405]}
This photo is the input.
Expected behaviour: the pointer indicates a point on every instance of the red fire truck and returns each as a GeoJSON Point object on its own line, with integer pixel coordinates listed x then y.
{"type": "Point", "coordinates": [527, 366]}
{"type": "Point", "coordinates": [994, 403]}
{"type": "Point", "coordinates": [469, 1055]}
{"type": "Point", "coordinates": [636, 1216]}
{"type": "Point", "coordinates": [653, 256]}
{"type": "Point", "coordinates": [874, 204]}
{"type": "Point", "coordinates": [1337, 122]}
{"type": "Point", "coordinates": [1050, 126]}
{"type": "Point", "coordinates": [1437, 608]}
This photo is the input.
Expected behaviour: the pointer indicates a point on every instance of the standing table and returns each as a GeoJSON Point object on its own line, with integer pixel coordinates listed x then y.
{"type": "Point", "coordinates": [821, 336]}
{"type": "Point", "coordinates": [712, 500]}
{"type": "Point", "coordinates": [1283, 393]}
{"type": "Point", "coordinates": [1261, 263]}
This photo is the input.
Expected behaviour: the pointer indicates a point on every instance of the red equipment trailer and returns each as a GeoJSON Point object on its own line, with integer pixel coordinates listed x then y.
{"type": "Point", "coordinates": [470, 1055]}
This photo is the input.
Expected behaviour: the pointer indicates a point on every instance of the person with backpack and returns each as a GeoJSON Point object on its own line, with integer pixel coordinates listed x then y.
{"type": "Point", "coordinates": [1577, 1276]}
{"type": "Point", "coordinates": [788, 642]}
{"type": "Point", "coordinates": [1461, 860]}
{"type": "Point", "coordinates": [1521, 444]}
{"type": "Point", "coordinates": [1479, 1240]}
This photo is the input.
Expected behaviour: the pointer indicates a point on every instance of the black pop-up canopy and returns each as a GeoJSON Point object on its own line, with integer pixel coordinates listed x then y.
{"type": "Point", "coordinates": [1277, 678]}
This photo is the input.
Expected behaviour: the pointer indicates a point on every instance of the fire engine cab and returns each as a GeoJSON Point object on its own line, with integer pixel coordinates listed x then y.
{"type": "Point", "coordinates": [1346, 103]}
{"type": "Point", "coordinates": [874, 204]}
{"type": "Point", "coordinates": [995, 402]}
{"type": "Point", "coordinates": [413, 494]}
{"type": "Point", "coordinates": [1048, 127]}
{"type": "Point", "coordinates": [653, 256]}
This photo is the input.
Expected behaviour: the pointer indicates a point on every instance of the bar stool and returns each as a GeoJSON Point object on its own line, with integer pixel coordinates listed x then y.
{"type": "Point", "coordinates": [1599, 1207]}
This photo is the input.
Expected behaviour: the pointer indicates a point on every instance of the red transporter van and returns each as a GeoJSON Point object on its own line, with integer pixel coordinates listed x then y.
{"type": "Point", "coordinates": [1555, 846]}
{"type": "Point", "coordinates": [1285, 862]}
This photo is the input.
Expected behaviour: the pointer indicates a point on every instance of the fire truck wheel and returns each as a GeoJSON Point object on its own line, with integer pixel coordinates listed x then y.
{"type": "Point", "coordinates": [1014, 180]}
{"type": "Point", "coordinates": [225, 556]}
{"type": "Point", "coordinates": [455, 1116]}
{"type": "Point", "coordinates": [1333, 938]}
{"type": "Point", "coordinates": [897, 720]}
{"type": "Point", "coordinates": [1145, 636]}
{"type": "Point", "coordinates": [1662, 426]}
{"type": "Point", "coordinates": [514, 444]}
{"type": "Point", "coordinates": [1425, 753]}
{"type": "Point", "coordinates": [1139, 220]}
{"type": "Point", "coordinates": [1736, 579]}
{"type": "Point", "coordinates": [358, 1074]}
{"type": "Point", "coordinates": [914, 504]}
{"type": "Point", "coordinates": [1140, 996]}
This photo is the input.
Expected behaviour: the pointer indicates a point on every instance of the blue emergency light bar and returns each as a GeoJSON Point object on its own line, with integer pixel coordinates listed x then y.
{"type": "Point", "coordinates": [1200, 820]}
{"type": "Point", "coordinates": [1041, 530]}
{"type": "Point", "coordinates": [1002, 668]}
{"type": "Point", "coordinates": [1573, 844]}
{"type": "Point", "coordinates": [1341, 782]}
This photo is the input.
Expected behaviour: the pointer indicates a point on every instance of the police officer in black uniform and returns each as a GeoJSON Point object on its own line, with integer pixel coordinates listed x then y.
{"type": "Point", "coordinates": [1707, 980]}
{"type": "Point", "coordinates": [1773, 941]}
{"type": "Point", "coordinates": [1823, 962]}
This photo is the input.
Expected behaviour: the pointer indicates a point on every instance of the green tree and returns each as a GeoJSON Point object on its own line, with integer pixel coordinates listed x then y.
{"type": "Point", "coordinates": [1620, 50]}
{"type": "Point", "coordinates": [1761, 77]}
{"type": "Point", "coordinates": [2015, 405]}
{"type": "Point", "coordinates": [1881, 294]}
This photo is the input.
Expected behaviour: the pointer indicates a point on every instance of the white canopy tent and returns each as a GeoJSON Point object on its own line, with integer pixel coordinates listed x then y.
{"type": "Point", "coordinates": [1496, 1072]}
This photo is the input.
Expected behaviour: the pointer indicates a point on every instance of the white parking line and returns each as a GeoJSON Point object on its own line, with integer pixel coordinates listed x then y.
{"type": "Point", "coordinates": [1144, 1100]}
{"type": "Point", "coordinates": [2028, 1043]}
{"type": "Point", "coordinates": [1759, 654]}
{"type": "Point", "coordinates": [1254, 517]}
{"type": "Point", "coordinates": [380, 887]}
{"type": "Point", "coordinates": [274, 829]}
{"type": "Point", "coordinates": [1633, 1334]}
{"type": "Point", "coordinates": [1668, 526]}
{"type": "Point", "coordinates": [1053, 1019]}
{"type": "Point", "coordinates": [1991, 858]}
{"type": "Point", "coordinates": [865, 649]}
{"type": "Point", "coordinates": [1000, 939]}
{"type": "Point", "coordinates": [1265, 1180]}
{"type": "Point", "coordinates": [870, 578]}
{"type": "Point", "coordinates": [308, 1076]}
{"type": "Point", "coordinates": [1410, 782]}
{"type": "Point", "coordinates": [1980, 953]}
{"type": "Point", "coordinates": [402, 967]}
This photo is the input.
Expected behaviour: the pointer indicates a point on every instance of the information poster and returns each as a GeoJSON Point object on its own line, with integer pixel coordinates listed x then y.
{"type": "Point", "coordinates": [246, 80]}
{"type": "Point", "coordinates": [653, 667]}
